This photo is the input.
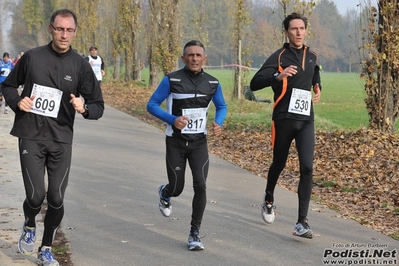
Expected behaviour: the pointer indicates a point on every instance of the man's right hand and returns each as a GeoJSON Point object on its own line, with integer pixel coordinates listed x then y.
{"type": "Point", "coordinates": [288, 72]}
{"type": "Point", "coordinates": [181, 122]}
{"type": "Point", "coordinates": [26, 103]}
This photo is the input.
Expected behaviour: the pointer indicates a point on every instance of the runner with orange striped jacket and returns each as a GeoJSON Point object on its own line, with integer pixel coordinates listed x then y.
{"type": "Point", "coordinates": [292, 72]}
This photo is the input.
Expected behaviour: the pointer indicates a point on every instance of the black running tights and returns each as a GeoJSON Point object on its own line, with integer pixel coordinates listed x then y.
{"type": "Point", "coordinates": [178, 151]}
{"type": "Point", "coordinates": [37, 157]}
{"type": "Point", "coordinates": [303, 132]}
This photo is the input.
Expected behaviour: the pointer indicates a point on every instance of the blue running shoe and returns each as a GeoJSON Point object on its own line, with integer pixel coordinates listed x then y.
{"type": "Point", "coordinates": [26, 242]}
{"type": "Point", "coordinates": [46, 258]}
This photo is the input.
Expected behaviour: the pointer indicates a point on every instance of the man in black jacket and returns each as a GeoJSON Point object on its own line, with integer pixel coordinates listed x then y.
{"type": "Point", "coordinates": [292, 72]}
{"type": "Point", "coordinates": [54, 78]}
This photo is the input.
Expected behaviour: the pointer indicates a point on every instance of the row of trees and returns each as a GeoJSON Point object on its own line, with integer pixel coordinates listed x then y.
{"type": "Point", "coordinates": [136, 33]}
{"type": "Point", "coordinates": [120, 27]}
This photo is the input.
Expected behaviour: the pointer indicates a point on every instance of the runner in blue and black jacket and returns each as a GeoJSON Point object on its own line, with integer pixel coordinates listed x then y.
{"type": "Point", "coordinates": [188, 93]}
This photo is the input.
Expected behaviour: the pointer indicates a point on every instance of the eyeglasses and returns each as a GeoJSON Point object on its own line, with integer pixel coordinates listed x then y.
{"type": "Point", "coordinates": [62, 30]}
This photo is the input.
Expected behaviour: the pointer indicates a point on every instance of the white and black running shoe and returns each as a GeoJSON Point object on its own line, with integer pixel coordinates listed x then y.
{"type": "Point", "coordinates": [267, 212]}
{"type": "Point", "coordinates": [165, 206]}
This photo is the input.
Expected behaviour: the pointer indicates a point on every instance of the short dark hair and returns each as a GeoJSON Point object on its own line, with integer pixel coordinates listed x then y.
{"type": "Point", "coordinates": [64, 13]}
{"type": "Point", "coordinates": [292, 16]}
{"type": "Point", "coordinates": [193, 43]}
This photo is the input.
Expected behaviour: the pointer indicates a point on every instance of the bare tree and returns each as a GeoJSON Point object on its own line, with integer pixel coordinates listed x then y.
{"type": "Point", "coordinates": [165, 42]}
{"type": "Point", "coordinates": [154, 20]}
{"type": "Point", "coordinates": [199, 20]}
{"type": "Point", "coordinates": [126, 35]}
{"type": "Point", "coordinates": [381, 68]}
{"type": "Point", "coordinates": [86, 11]}
{"type": "Point", "coordinates": [6, 7]}
{"type": "Point", "coordinates": [36, 15]}
{"type": "Point", "coordinates": [242, 21]}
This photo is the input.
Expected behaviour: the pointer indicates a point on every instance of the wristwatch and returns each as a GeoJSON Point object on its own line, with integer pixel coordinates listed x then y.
{"type": "Point", "coordinates": [86, 110]}
{"type": "Point", "coordinates": [276, 75]}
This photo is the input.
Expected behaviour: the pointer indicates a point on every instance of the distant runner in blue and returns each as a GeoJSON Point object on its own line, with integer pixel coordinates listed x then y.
{"type": "Point", "coordinates": [188, 93]}
{"type": "Point", "coordinates": [6, 65]}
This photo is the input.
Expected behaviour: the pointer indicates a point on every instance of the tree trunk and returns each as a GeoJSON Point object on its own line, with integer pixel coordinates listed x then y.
{"type": "Point", "coordinates": [136, 75]}
{"type": "Point", "coordinates": [154, 76]}
{"type": "Point", "coordinates": [128, 65]}
{"type": "Point", "coordinates": [117, 67]}
{"type": "Point", "coordinates": [381, 71]}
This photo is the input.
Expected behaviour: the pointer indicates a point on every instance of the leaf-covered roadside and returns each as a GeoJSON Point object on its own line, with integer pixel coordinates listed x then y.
{"type": "Point", "coordinates": [355, 173]}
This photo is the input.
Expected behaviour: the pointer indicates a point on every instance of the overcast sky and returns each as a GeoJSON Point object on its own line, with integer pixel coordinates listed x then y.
{"type": "Point", "coordinates": [344, 5]}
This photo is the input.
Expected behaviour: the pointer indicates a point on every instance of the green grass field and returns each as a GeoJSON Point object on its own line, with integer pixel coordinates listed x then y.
{"type": "Point", "coordinates": [341, 108]}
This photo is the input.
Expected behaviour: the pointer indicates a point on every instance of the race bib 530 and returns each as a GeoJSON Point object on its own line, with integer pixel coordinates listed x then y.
{"type": "Point", "coordinates": [300, 102]}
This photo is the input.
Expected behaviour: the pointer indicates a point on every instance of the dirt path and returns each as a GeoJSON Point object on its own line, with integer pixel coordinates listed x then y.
{"type": "Point", "coordinates": [12, 195]}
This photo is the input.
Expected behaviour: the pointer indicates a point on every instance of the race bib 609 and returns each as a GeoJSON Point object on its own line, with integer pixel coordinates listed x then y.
{"type": "Point", "coordinates": [47, 100]}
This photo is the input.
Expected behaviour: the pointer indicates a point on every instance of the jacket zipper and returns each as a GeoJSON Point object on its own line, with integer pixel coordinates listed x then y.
{"type": "Point", "coordinates": [304, 58]}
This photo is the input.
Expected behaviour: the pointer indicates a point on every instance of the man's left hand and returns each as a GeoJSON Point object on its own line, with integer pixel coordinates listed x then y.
{"type": "Point", "coordinates": [77, 104]}
{"type": "Point", "coordinates": [217, 130]}
{"type": "Point", "coordinates": [317, 93]}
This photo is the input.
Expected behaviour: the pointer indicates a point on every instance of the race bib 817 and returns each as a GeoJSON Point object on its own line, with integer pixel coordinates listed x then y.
{"type": "Point", "coordinates": [197, 123]}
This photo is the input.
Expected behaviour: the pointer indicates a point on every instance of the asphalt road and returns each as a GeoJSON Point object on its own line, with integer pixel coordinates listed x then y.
{"type": "Point", "coordinates": [112, 215]}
